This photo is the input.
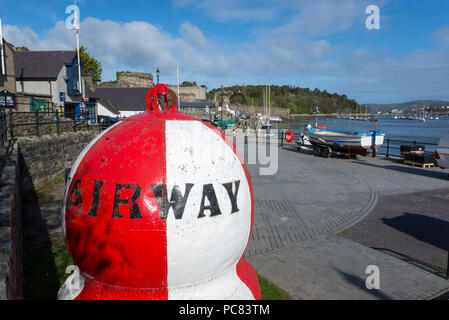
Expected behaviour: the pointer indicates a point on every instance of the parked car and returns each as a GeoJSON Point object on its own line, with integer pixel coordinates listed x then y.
{"type": "Point", "coordinates": [210, 122]}
{"type": "Point", "coordinates": [106, 121]}
{"type": "Point", "coordinates": [442, 152]}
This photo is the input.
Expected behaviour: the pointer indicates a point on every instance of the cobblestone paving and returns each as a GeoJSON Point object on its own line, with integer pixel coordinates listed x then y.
{"type": "Point", "coordinates": [414, 228]}
{"type": "Point", "coordinates": [334, 268]}
{"type": "Point", "coordinates": [300, 209]}
{"type": "Point", "coordinates": [296, 204]}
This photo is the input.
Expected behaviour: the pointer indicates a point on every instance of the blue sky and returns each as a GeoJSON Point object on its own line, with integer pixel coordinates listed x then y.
{"type": "Point", "coordinates": [306, 43]}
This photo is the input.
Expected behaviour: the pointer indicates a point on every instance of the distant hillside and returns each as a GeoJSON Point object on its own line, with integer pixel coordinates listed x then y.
{"type": "Point", "coordinates": [436, 104]}
{"type": "Point", "coordinates": [298, 100]}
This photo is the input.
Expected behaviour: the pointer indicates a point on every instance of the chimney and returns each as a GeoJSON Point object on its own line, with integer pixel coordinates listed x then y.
{"type": "Point", "coordinates": [89, 84]}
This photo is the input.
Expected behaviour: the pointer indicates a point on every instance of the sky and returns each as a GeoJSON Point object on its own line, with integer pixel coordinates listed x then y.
{"type": "Point", "coordinates": [312, 44]}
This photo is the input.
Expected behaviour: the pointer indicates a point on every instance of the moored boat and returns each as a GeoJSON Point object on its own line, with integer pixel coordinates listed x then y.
{"type": "Point", "coordinates": [351, 142]}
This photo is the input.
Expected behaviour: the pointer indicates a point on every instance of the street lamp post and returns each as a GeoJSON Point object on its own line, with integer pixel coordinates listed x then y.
{"type": "Point", "coordinates": [157, 75]}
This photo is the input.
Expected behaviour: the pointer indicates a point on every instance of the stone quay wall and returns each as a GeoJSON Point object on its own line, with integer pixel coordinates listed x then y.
{"type": "Point", "coordinates": [31, 162]}
{"type": "Point", "coordinates": [45, 158]}
{"type": "Point", "coordinates": [11, 266]}
{"type": "Point", "coordinates": [284, 113]}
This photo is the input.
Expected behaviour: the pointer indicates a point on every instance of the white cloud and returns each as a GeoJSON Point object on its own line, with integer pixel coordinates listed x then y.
{"type": "Point", "coordinates": [235, 11]}
{"type": "Point", "coordinates": [292, 50]}
{"type": "Point", "coordinates": [193, 34]}
{"type": "Point", "coordinates": [21, 36]}
{"type": "Point", "coordinates": [441, 35]}
{"type": "Point", "coordinates": [143, 46]}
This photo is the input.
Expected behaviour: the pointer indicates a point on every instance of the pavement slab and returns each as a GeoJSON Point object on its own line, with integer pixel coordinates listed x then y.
{"type": "Point", "coordinates": [300, 209]}
{"type": "Point", "coordinates": [334, 269]}
{"type": "Point", "coordinates": [414, 228]}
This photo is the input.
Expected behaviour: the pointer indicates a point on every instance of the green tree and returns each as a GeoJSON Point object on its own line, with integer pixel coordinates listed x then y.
{"type": "Point", "coordinates": [90, 67]}
{"type": "Point", "coordinates": [189, 84]}
{"type": "Point", "coordinates": [22, 49]}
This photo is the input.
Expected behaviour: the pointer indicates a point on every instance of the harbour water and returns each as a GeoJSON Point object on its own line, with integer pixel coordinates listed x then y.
{"type": "Point", "coordinates": [401, 130]}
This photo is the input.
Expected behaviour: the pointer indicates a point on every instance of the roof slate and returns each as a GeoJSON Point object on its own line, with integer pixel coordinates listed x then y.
{"type": "Point", "coordinates": [133, 99]}
{"type": "Point", "coordinates": [41, 64]}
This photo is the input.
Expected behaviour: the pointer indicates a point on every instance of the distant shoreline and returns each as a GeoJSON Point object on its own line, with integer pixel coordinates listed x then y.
{"type": "Point", "coordinates": [312, 115]}
{"type": "Point", "coordinates": [323, 115]}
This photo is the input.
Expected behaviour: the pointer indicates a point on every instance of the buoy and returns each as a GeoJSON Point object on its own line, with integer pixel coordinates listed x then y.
{"type": "Point", "coordinates": [289, 136]}
{"type": "Point", "coordinates": [159, 206]}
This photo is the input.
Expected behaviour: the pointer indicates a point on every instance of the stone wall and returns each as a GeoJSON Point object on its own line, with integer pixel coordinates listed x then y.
{"type": "Point", "coordinates": [11, 266]}
{"type": "Point", "coordinates": [191, 94]}
{"type": "Point", "coordinates": [32, 162]}
{"type": "Point", "coordinates": [126, 79]}
{"type": "Point", "coordinates": [45, 158]}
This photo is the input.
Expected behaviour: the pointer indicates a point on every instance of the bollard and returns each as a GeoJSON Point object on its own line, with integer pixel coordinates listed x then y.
{"type": "Point", "coordinates": [388, 148]}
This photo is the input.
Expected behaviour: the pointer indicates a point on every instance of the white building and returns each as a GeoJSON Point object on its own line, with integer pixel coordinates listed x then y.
{"type": "Point", "coordinates": [49, 81]}
{"type": "Point", "coordinates": [126, 102]}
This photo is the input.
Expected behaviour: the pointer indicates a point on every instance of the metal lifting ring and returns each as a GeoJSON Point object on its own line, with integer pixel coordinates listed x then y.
{"type": "Point", "coordinates": [153, 95]}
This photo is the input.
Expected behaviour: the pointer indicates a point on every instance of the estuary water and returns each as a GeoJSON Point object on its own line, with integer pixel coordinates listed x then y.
{"type": "Point", "coordinates": [403, 130]}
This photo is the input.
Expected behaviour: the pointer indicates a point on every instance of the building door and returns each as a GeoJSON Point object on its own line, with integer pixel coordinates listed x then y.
{"type": "Point", "coordinates": [90, 107]}
{"type": "Point", "coordinates": [70, 110]}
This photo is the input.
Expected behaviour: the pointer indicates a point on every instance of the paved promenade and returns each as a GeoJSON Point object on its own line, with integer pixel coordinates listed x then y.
{"type": "Point", "coordinates": [334, 269]}
{"type": "Point", "coordinates": [311, 199]}
{"type": "Point", "coordinates": [299, 211]}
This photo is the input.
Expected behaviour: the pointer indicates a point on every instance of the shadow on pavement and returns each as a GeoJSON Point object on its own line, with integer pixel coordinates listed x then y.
{"type": "Point", "coordinates": [410, 170]}
{"type": "Point", "coordinates": [360, 284]}
{"type": "Point", "coordinates": [423, 265]}
{"type": "Point", "coordinates": [424, 228]}
{"type": "Point", "coordinates": [339, 155]}
{"type": "Point", "coordinates": [40, 272]}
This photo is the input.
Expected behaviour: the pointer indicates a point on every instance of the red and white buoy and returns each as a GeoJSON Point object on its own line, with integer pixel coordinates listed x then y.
{"type": "Point", "coordinates": [159, 206]}
{"type": "Point", "coordinates": [289, 136]}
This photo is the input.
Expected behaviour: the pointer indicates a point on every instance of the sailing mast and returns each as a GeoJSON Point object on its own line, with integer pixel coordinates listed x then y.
{"type": "Point", "coordinates": [269, 100]}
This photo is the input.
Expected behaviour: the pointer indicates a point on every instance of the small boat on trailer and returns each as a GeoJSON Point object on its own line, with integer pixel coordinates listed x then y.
{"type": "Point", "coordinates": [325, 141]}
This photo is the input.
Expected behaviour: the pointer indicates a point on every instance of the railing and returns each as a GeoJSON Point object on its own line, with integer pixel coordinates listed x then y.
{"type": "Point", "coordinates": [392, 145]}
{"type": "Point", "coordinates": [3, 132]}
{"type": "Point", "coordinates": [55, 121]}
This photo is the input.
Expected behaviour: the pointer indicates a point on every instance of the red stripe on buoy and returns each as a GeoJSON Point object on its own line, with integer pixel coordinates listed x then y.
{"type": "Point", "coordinates": [126, 256]}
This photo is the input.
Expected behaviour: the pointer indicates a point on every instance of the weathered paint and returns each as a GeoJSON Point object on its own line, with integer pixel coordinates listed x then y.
{"type": "Point", "coordinates": [210, 246]}
{"type": "Point", "coordinates": [160, 207]}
